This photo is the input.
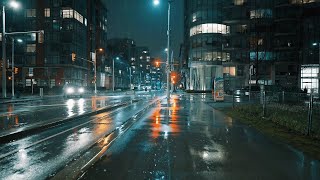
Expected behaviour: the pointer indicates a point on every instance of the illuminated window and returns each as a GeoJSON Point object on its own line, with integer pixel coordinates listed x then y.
{"type": "Point", "coordinates": [209, 28]}
{"type": "Point", "coordinates": [262, 56]}
{"type": "Point", "coordinates": [47, 12]}
{"type": "Point", "coordinates": [239, 2]}
{"type": "Point", "coordinates": [309, 80]}
{"type": "Point", "coordinates": [231, 71]}
{"type": "Point", "coordinates": [33, 36]}
{"type": "Point", "coordinates": [198, 55]}
{"type": "Point", "coordinates": [70, 13]}
{"type": "Point", "coordinates": [302, 1]}
{"type": "Point", "coordinates": [31, 13]}
{"type": "Point", "coordinates": [31, 48]}
{"type": "Point", "coordinates": [78, 16]}
{"type": "Point", "coordinates": [261, 13]}
{"type": "Point", "coordinates": [67, 13]}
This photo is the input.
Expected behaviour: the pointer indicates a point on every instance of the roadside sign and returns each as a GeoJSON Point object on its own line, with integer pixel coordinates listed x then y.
{"type": "Point", "coordinates": [252, 70]}
{"type": "Point", "coordinates": [218, 91]}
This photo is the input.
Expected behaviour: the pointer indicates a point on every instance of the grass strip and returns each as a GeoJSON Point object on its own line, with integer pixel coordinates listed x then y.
{"type": "Point", "coordinates": [277, 128]}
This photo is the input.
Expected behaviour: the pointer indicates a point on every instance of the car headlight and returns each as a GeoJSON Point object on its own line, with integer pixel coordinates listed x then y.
{"type": "Point", "coordinates": [70, 90]}
{"type": "Point", "coordinates": [81, 90]}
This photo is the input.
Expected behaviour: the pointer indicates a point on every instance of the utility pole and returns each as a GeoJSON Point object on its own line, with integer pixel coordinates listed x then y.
{"type": "Point", "coordinates": [12, 70]}
{"type": "Point", "coordinates": [168, 52]}
{"type": "Point", "coordinates": [4, 58]}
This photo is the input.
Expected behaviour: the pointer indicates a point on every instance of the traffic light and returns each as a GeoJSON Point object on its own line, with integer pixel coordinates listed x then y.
{"type": "Point", "coordinates": [16, 70]}
{"type": "Point", "coordinates": [73, 56]}
{"type": "Point", "coordinates": [41, 36]}
{"type": "Point", "coordinates": [175, 77]}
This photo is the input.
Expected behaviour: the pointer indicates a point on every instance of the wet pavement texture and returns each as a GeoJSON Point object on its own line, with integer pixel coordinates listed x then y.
{"type": "Point", "coordinates": [42, 155]}
{"type": "Point", "coordinates": [17, 116]}
{"type": "Point", "coordinates": [188, 139]}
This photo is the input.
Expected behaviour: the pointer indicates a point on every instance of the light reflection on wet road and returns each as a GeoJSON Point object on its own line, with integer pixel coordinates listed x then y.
{"type": "Point", "coordinates": [23, 114]}
{"type": "Point", "coordinates": [38, 156]}
{"type": "Point", "coordinates": [191, 140]}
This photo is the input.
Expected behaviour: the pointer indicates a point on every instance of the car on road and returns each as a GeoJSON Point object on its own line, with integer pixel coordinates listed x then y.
{"type": "Point", "coordinates": [239, 92]}
{"type": "Point", "coordinates": [245, 91]}
{"type": "Point", "coordinates": [71, 90]}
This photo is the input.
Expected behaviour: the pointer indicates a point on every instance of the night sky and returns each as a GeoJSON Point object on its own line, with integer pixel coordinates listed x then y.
{"type": "Point", "coordinates": [146, 24]}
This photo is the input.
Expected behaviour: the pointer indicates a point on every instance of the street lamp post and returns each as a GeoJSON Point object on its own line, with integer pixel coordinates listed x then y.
{"type": "Point", "coordinates": [95, 69]}
{"type": "Point", "coordinates": [157, 2]}
{"type": "Point", "coordinates": [12, 64]}
{"type": "Point", "coordinates": [318, 65]}
{"type": "Point", "coordinates": [117, 58]}
{"type": "Point", "coordinates": [12, 70]}
{"type": "Point", "coordinates": [4, 73]}
{"type": "Point", "coordinates": [15, 5]}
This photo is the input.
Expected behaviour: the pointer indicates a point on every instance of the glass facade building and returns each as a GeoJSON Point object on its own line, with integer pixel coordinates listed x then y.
{"type": "Point", "coordinates": [278, 38]}
{"type": "Point", "coordinates": [204, 32]}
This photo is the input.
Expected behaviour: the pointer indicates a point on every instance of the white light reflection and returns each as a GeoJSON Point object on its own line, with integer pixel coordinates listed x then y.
{"type": "Point", "coordinates": [23, 157]}
{"type": "Point", "coordinates": [205, 155]}
{"type": "Point", "coordinates": [81, 103]}
{"type": "Point", "coordinates": [70, 105]}
{"type": "Point", "coordinates": [23, 161]}
{"type": "Point", "coordinates": [166, 135]}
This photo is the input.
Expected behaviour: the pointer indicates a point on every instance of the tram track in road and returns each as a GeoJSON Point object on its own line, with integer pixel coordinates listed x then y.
{"type": "Point", "coordinates": [62, 132]}
{"type": "Point", "coordinates": [39, 127]}
{"type": "Point", "coordinates": [44, 154]}
{"type": "Point", "coordinates": [76, 168]}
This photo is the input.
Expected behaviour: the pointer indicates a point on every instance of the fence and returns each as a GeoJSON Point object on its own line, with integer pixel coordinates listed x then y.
{"type": "Point", "coordinates": [297, 111]}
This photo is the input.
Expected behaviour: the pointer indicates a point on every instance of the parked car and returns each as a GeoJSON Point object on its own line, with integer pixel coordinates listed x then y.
{"type": "Point", "coordinates": [71, 90]}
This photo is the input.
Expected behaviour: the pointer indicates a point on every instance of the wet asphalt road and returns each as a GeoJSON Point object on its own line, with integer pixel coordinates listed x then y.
{"type": "Point", "coordinates": [41, 155]}
{"type": "Point", "coordinates": [188, 139]}
{"type": "Point", "coordinates": [19, 115]}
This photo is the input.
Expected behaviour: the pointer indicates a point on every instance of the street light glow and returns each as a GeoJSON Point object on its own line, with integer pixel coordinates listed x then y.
{"type": "Point", "coordinates": [156, 2]}
{"type": "Point", "coordinates": [314, 44]}
{"type": "Point", "coordinates": [19, 40]}
{"type": "Point", "coordinates": [14, 4]}
{"type": "Point", "coordinates": [117, 58]}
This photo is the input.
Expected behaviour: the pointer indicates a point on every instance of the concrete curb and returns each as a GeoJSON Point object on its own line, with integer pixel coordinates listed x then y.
{"type": "Point", "coordinates": [38, 128]}
{"type": "Point", "coordinates": [74, 171]}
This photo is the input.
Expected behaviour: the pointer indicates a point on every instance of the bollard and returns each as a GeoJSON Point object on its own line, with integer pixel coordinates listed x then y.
{"type": "Point", "coordinates": [283, 97]}
{"type": "Point", "coordinates": [41, 92]}
{"type": "Point", "coordinates": [309, 128]}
